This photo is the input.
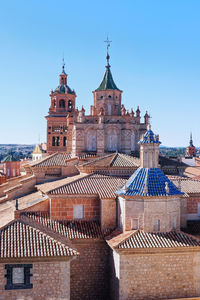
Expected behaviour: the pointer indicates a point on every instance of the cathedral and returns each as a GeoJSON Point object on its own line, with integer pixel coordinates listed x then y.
{"type": "Point", "coordinates": [108, 128]}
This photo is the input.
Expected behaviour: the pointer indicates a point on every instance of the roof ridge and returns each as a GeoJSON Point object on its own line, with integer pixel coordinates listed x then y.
{"type": "Point", "coordinates": [132, 233]}
{"type": "Point", "coordinates": [44, 159]}
{"type": "Point", "coordinates": [96, 159]}
{"type": "Point", "coordinates": [114, 158]}
{"type": "Point", "coordinates": [50, 233]}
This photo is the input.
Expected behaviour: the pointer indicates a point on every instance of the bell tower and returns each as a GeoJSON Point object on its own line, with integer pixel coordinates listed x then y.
{"type": "Point", "coordinates": [62, 105]}
{"type": "Point", "coordinates": [107, 97]}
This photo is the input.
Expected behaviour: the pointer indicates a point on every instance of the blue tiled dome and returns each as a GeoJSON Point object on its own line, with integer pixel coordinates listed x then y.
{"type": "Point", "coordinates": [149, 182]}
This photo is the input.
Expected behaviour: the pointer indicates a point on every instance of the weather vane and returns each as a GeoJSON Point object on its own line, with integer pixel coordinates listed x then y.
{"type": "Point", "coordinates": [108, 45]}
{"type": "Point", "coordinates": [63, 65]}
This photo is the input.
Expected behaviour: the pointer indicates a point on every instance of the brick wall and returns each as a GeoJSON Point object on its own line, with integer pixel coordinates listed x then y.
{"type": "Point", "coordinates": [89, 272]}
{"type": "Point", "coordinates": [62, 208]}
{"type": "Point", "coordinates": [108, 213]}
{"type": "Point", "coordinates": [51, 280]}
{"type": "Point", "coordinates": [158, 276]}
{"type": "Point", "coordinates": [192, 203]}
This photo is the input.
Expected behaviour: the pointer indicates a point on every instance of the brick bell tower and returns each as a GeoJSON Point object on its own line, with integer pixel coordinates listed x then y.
{"type": "Point", "coordinates": [62, 108]}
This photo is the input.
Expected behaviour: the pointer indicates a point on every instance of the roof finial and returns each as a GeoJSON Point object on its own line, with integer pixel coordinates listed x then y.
{"type": "Point", "coordinates": [108, 56]}
{"type": "Point", "coordinates": [63, 64]}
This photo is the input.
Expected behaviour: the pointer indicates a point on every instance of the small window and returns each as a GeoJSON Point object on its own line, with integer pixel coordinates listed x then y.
{"type": "Point", "coordinates": [109, 96]}
{"type": "Point", "coordinates": [18, 276]}
{"type": "Point", "coordinates": [78, 211]}
{"type": "Point", "coordinates": [156, 225]}
{"type": "Point", "coordinates": [135, 224]}
{"type": "Point", "coordinates": [101, 97]}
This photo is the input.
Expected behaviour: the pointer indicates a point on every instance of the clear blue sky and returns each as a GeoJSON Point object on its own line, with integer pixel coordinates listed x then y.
{"type": "Point", "coordinates": [155, 59]}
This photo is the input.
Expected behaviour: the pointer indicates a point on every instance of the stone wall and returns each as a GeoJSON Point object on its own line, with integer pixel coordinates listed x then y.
{"type": "Point", "coordinates": [51, 280]}
{"type": "Point", "coordinates": [89, 272]}
{"type": "Point", "coordinates": [62, 208]}
{"type": "Point", "coordinates": [158, 276]}
{"type": "Point", "coordinates": [142, 213]}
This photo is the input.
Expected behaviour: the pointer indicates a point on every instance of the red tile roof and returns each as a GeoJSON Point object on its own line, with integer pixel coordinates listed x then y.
{"type": "Point", "coordinates": [53, 160]}
{"type": "Point", "coordinates": [19, 240]}
{"type": "Point", "coordinates": [140, 239]}
{"type": "Point", "coordinates": [71, 229]}
{"type": "Point", "coordinates": [93, 184]}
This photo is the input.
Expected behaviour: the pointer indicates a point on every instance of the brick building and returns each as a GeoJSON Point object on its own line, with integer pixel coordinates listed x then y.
{"type": "Point", "coordinates": [109, 126]}
{"type": "Point", "coordinates": [122, 235]}
{"type": "Point", "coordinates": [11, 166]}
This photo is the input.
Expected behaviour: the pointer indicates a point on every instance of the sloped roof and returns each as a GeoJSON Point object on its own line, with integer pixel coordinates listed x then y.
{"type": "Point", "coordinates": [107, 82]}
{"type": "Point", "coordinates": [71, 229]}
{"type": "Point", "coordinates": [93, 184]}
{"type": "Point", "coordinates": [9, 157]}
{"type": "Point", "coordinates": [140, 239]}
{"type": "Point", "coordinates": [53, 160]}
{"type": "Point", "coordinates": [19, 240]}
{"type": "Point", "coordinates": [114, 160]}
{"type": "Point", "coordinates": [187, 185]}
{"type": "Point", "coordinates": [148, 182]}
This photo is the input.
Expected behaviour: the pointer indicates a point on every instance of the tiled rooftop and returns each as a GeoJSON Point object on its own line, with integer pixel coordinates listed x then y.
{"type": "Point", "coordinates": [56, 159]}
{"type": "Point", "coordinates": [187, 185]}
{"type": "Point", "coordinates": [93, 184]}
{"type": "Point", "coordinates": [71, 229]}
{"type": "Point", "coordinates": [114, 160]}
{"type": "Point", "coordinates": [172, 239]}
{"type": "Point", "coordinates": [149, 182]}
{"type": "Point", "coordinates": [19, 240]}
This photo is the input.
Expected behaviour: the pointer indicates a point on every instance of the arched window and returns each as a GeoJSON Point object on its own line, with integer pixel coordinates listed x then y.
{"type": "Point", "coordinates": [92, 144]}
{"type": "Point", "coordinates": [132, 142]}
{"type": "Point", "coordinates": [53, 141]}
{"type": "Point", "coordinates": [112, 141]}
{"type": "Point", "coordinates": [64, 141]}
{"type": "Point", "coordinates": [57, 141]}
{"type": "Point", "coordinates": [62, 103]}
{"type": "Point", "coordinates": [69, 105]}
{"type": "Point", "coordinates": [109, 109]}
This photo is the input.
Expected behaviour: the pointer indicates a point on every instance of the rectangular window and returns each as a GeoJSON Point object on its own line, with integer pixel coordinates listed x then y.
{"type": "Point", "coordinates": [156, 225]}
{"type": "Point", "coordinates": [135, 224]}
{"type": "Point", "coordinates": [18, 276]}
{"type": "Point", "coordinates": [78, 211]}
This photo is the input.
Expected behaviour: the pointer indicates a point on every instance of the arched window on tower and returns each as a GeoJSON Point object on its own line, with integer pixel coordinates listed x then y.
{"type": "Point", "coordinates": [57, 141]}
{"type": "Point", "coordinates": [53, 141]}
{"type": "Point", "coordinates": [64, 141]}
{"type": "Point", "coordinates": [132, 142]}
{"type": "Point", "coordinates": [69, 105]}
{"type": "Point", "coordinates": [62, 103]}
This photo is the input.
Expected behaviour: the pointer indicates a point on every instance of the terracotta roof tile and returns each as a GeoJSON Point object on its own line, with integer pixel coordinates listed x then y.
{"type": "Point", "coordinates": [54, 160]}
{"type": "Point", "coordinates": [140, 239]}
{"type": "Point", "coordinates": [102, 185]}
{"type": "Point", "coordinates": [71, 229]}
{"type": "Point", "coordinates": [19, 240]}
{"type": "Point", "coordinates": [187, 185]}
